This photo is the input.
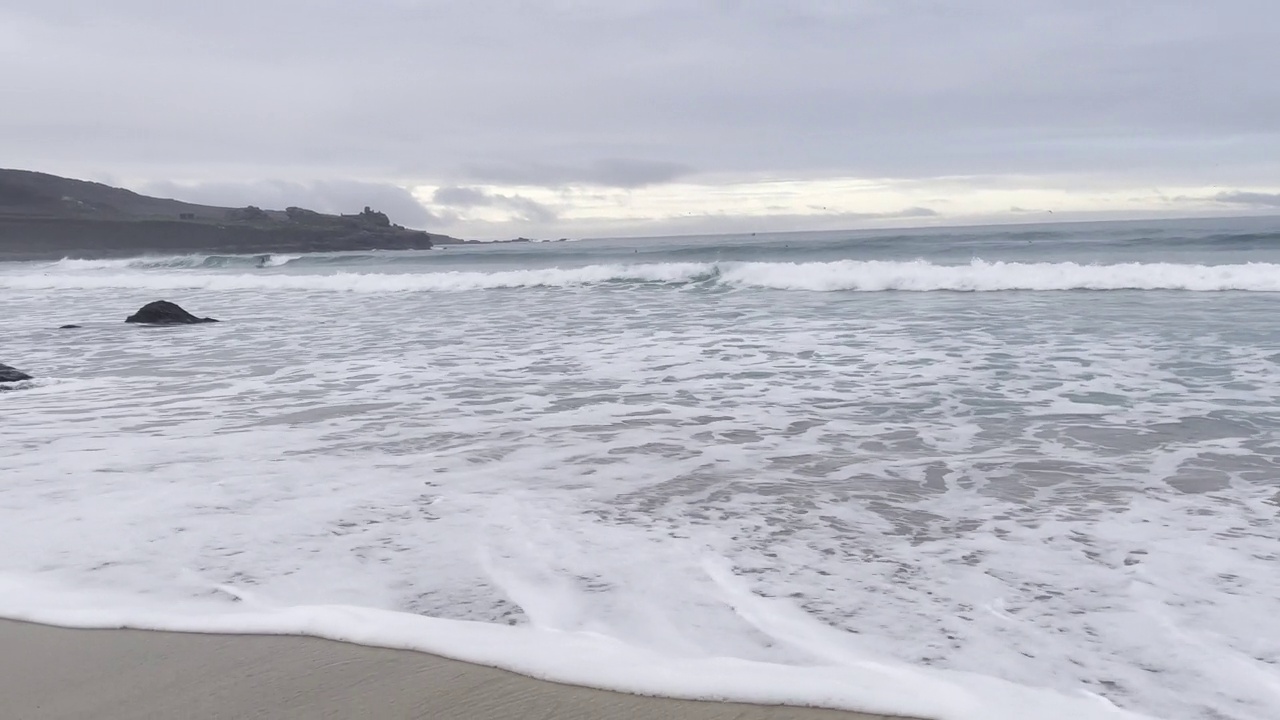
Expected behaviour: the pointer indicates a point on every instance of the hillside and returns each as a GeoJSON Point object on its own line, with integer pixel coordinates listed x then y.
{"type": "Point", "coordinates": [46, 216]}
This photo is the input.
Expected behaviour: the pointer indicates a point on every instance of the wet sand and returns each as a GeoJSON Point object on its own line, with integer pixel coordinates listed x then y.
{"type": "Point", "coordinates": [49, 673]}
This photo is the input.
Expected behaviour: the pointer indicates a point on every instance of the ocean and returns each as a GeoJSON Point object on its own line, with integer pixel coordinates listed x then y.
{"type": "Point", "coordinates": [1003, 472]}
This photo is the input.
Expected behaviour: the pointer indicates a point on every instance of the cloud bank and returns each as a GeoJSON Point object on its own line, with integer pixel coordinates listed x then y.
{"type": "Point", "coordinates": [527, 99]}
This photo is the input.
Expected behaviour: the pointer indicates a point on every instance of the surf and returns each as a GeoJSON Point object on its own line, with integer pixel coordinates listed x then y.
{"type": "Point", "coordinates": [976, 276]}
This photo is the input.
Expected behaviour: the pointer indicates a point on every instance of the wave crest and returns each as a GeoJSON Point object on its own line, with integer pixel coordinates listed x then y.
{"type": "Point", "coordinates": [982, 276]}
{"type": "Point", "coordinates": [176, 262]}
{"type": "Point", "coordinates": [842, 275]}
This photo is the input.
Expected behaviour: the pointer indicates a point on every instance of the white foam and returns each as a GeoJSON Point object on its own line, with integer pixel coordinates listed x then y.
{"type": "Point", "coordinates": [168, 262]}
{"type": "Point", "coordinates": [279, 260]}
{"type": "Point", "coordinates": [581, 658]}
{"type": "Point", "coordinates": [980, 276]}
{"type": "Point", "coordinates": [1074, 492]}
{"type": "Point", "coordinates": [83, 264]}
{"type": "Point", "coordinates": [843, 275]}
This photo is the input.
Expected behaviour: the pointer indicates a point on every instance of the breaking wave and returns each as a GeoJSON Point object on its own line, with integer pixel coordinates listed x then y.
{"type": "Point", "coordinates": [843, 275]}
{"type": "Point", "coordinates": [177, 262]}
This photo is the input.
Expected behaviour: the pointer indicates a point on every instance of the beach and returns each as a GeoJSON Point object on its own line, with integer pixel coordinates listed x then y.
{"type": "Point", "coordinates": [52, 673]}
{"type": "Point", "coordinates": [966, 474]}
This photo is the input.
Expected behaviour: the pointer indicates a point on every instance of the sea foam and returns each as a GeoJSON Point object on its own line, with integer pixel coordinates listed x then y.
{"type": "Point", "coordinates": [842, 275]}
{"type": "Point", "coordinates": [942, 494]}
{"type": "Point", "coordinates": [845, 680]}
{"type": "Point", "coordinates": [173, 262]}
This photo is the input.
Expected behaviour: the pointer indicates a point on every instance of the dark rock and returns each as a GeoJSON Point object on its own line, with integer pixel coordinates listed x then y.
{"type": "Point", "coordinates": [8, 374]}
{"type": "Point", "coordinates": [68, 327]}
{"type": "Point", "coordinates": [163, 312]}
{"type": "Point", "coordinates": [251, 213]}
{"type": "Point", "coordinates": [303, 215]}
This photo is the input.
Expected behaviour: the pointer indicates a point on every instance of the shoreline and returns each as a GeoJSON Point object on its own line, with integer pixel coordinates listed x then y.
{"type": "Point", "coordinates": [57, 673]}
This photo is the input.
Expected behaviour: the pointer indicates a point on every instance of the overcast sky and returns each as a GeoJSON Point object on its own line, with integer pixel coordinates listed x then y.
{"type": "Point", "coordinates": [569, 118]}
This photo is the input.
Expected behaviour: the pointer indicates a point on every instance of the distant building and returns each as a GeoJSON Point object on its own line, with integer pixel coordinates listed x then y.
{"type": "Point", "coordinates": [186, 216]}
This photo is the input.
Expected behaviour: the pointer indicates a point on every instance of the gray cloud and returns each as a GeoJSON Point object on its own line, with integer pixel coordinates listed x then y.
{"type": "Point", "coordinates": [465, 197]}
{"type": "Point", "coordinates": [709, 223]}
{"type": "Point", "coordinates": [615, 172]}
{"type": "Point", "coordinates": [639, 92]}
{"type": "Point", "coordinates": [322, 196]}
{"type": "Point", "coordinates": [1255, 199]}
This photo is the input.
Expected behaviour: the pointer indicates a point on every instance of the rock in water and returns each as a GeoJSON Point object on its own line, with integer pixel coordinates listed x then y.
{"type": "Point", "coordinates": [69, 327]}
{"type": "Point", "coordinates": [163, 312]}
{"type": "Point", "coordinates": [8, 374]}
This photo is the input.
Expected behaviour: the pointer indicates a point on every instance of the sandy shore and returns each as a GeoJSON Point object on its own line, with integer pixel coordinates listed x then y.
{"type": "Point", "coordinates": [49, 672]}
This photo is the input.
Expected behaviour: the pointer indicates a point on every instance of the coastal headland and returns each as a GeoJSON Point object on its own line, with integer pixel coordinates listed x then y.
{"type": "Point", "coordinates": [44, 216]}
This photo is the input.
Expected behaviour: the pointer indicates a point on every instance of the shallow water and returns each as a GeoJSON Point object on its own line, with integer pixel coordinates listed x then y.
{"type": "Point", "coordinates": [1070, 480]}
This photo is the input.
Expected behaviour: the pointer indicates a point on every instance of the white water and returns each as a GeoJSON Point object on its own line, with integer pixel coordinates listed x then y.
{"type": "Point", "coordinates": [841, 275]}
{"type": "Point", "coordinates": [173, 262]}
{"type": "Point", "coordinates": [844, 677]}
{"type": "Point", "coordinates": [1001, 506]}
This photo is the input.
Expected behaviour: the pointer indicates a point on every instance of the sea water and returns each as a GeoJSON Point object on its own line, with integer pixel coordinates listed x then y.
{"type": "Point", "coordinates": [1018, 472]}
